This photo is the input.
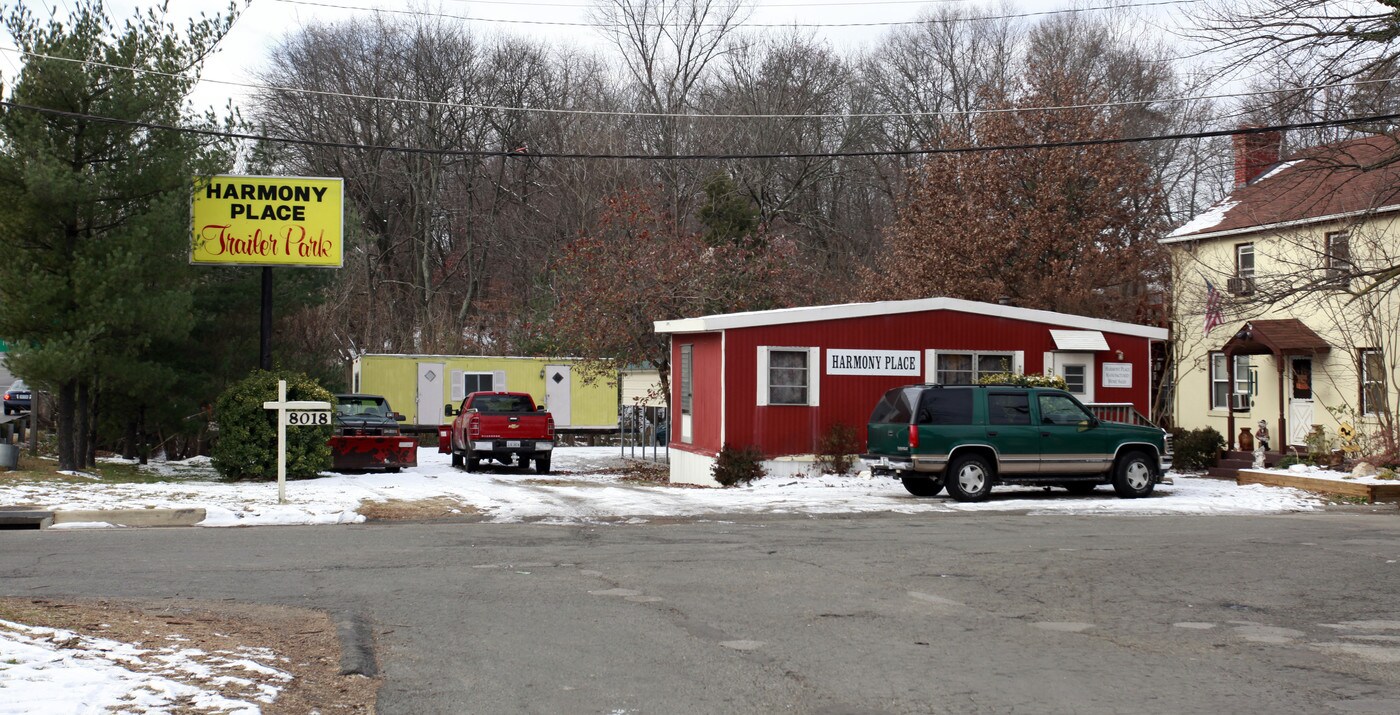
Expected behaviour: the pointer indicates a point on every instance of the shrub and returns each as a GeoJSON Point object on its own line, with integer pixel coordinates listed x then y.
{"type": "Point", "coordinates": [736, 466]}
{"type": "Point", "coordinates": [1197, 448]}
{"type": "Point", "coordinates": [1007, 378]}
{"type": "Point", "coordinates": [837, 449]}
{"type": "Point", "coordinates": [247, 443]}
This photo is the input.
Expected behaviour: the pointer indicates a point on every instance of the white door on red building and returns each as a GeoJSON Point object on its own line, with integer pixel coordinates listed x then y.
{"type": "Point", "coordinates": [1078, 371]}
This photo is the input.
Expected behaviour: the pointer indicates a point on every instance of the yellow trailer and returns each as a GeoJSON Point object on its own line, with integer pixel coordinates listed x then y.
{"type": "Point", "coordinates": [418, 386]}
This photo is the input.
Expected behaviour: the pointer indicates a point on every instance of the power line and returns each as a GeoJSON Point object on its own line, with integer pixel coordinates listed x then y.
{"type": "Point", "coordinates": [1073, 143]}
{"type": "Point", "coordinates": [896, 23]}
{"type": "Point", "coordinates": [666, 115]}
{"type": "Point", "coordinates": [841, 3]}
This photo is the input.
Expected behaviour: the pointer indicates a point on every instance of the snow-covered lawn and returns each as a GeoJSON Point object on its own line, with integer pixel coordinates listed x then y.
{"type": "Point", "coordinates": [1311, 472]}
{"type": "Point", "coordinates": [52, 670]}
{"type": "Point", "coordinates": [587, 487]}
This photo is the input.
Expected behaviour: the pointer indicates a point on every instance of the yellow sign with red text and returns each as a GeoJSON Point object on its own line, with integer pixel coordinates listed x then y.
{"type": "Point", "coordinates": [267, 221]}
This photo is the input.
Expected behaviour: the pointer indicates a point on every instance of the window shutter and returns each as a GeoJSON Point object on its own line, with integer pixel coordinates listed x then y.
{"type": "Point", "coordinates": [1018, 362]}
{"type": "Point", "coordinates": [814, 376]}
{"type": "Point", "coordinates": [498, 381]}
{"type": "Point", "coordinates": [459, 389]}
{"type": "Point", "coordinates": [762, 385]}
{"type": "Point", "coordinates": [930, 366]}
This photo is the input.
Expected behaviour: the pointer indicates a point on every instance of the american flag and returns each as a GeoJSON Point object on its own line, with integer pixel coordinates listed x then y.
{"type": "Point", "coordinates": [1214, 309]}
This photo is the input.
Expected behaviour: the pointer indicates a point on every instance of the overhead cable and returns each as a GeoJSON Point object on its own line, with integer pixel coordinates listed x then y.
{"type": "Point", "coordinates": [893, 23]}
{"type": "Point", "coordinates": [674, 115]}
{"type": "Point", "coordinates": [521, 153]}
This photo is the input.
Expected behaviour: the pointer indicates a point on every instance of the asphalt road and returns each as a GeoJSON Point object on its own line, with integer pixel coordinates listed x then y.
{"type": "Point", "coordinates": [955, 613]}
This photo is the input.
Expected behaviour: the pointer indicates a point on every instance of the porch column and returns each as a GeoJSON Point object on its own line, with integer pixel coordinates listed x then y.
{"type": "Point", "coordinates": [1230, 402]}
{"type": "Point", "coordinates": [1283, 398]}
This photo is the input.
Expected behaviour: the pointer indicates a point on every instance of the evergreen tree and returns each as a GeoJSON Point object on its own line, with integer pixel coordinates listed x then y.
{"type": "Point", "coordinates": [96, 294]}
{"type": "Point", "coordinates": [728, 216]}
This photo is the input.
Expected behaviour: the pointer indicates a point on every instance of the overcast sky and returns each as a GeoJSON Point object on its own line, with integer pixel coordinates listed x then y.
{"type": "Point", "coordinates": [263, 23]}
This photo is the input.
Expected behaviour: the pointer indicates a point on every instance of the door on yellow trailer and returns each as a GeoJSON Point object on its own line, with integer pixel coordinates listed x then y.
{"type": "Point", "coordinates": [430, 393]}
{"type": "Point", "coordinates": [557, 393]}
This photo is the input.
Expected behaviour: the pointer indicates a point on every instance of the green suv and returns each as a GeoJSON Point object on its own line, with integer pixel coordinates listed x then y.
{"type": "Point", "coordinates": [971, 437]}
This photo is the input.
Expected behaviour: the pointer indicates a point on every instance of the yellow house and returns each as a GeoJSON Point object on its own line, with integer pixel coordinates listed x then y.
{"type": "Point", "coordinates": [419, 386]}
{"type": "Point", "coordinates": [1272, 320]}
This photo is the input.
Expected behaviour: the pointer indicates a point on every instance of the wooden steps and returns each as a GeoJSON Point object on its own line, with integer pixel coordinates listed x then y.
{"type": "Point", "coordinates": [1231, 463]}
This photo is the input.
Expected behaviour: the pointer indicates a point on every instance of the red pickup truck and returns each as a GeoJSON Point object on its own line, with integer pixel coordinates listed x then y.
{"type": "Point", "coordinates": [498, 426]}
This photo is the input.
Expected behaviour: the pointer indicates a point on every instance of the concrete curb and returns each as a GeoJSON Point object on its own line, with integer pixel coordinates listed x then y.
{"type": "Point", "coordinates": [356, 645]}
{"type": "Point", "coordinates": [131, 517]}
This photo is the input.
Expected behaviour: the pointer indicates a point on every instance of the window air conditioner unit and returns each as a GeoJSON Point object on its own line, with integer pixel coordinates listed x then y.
{"type": "Point", "coordinates": [1240, 285]}
{"type": "Point", "coordinates": [1240, 402]}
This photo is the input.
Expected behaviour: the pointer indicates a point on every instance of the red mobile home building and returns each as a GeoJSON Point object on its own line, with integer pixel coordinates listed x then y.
{"type": "Point", "coordinates": [779, 380]}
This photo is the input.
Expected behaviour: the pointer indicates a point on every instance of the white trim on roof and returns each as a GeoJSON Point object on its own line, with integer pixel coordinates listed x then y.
{"type": "Point", "coordinates": [783, 316]}
{"type": "Point", "coordinates": [1091, 340]}
{"type": "Point", "coordinates": [1172, 238]}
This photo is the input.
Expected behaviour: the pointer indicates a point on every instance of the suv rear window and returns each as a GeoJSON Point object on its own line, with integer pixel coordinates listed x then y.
{"type": "Point", "coordinates": [945, 407]}
{"type": "Point", "coordinates": [893, 408]}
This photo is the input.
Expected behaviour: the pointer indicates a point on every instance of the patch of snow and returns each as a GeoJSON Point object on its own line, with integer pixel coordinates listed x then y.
{"type": "Point", "coordinates": [52, 670]}
{"type": "Point", "coordinates": [587, 488]}
{"type": "Point", "coordinates": [1315, 472]}
{"type": "Point", "coordinates": [1278, 168]}
{"type": "Point", "coordinates": [1210, 218]}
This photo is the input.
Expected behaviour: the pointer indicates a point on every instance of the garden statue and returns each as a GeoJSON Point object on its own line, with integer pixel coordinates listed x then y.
{"type": "Point", "coordinates": [1261, 444]}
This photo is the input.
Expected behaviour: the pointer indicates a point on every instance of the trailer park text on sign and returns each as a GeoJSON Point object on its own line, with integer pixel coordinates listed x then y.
{"type": "Point", "coordinates": [267, 221]}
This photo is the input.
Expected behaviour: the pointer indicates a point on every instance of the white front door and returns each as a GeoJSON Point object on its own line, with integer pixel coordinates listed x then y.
{"type": "Point", "coordinates": [431, 397]}
{"type": "Point", "coordinates": [1300, 402]}
{"type": "Point", "coordinates": [556, 393]}
{"type": "Point", "coordinates": [1078, 371]}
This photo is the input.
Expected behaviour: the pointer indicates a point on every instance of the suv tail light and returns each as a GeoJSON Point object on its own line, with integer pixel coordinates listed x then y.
{"type": "Point", "coordinates": [474, 426]}
{"type": "Point", "coordinates": [913, 436]}
{"type": "Point", "coordinates": [549, 426]}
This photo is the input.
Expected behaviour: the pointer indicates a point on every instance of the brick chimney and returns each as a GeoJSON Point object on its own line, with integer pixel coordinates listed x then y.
{"type": "Point", "coordinates": [1254, 154]}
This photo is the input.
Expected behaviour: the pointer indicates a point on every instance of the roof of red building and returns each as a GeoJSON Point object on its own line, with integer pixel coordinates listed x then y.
{"type": "Point", "coordinates": [809, 314]}
{"type": "Point", "coordinates": [1318, 184]}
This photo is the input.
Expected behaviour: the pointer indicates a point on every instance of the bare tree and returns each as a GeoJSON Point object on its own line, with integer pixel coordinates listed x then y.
{"type": "Point", "coordinates": [451, 242]}
{"type": "Point", "coordinates": [668, 49]}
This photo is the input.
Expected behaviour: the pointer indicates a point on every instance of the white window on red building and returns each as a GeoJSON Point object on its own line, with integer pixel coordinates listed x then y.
{"type": "Point", "coordinates": [967, 368]}
{"type": "Point", "coordinates": [789, 376]}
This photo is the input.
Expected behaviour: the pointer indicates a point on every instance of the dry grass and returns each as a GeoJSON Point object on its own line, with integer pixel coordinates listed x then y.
{"type": "Point", "coordinates": [402, 510]}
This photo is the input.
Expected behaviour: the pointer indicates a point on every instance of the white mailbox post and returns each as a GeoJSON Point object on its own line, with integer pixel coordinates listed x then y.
{"type": "Point", "coordinates": [298, 413]}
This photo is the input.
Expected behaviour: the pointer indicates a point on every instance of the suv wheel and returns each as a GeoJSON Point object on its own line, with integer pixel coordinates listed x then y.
{"type": "Point", "coordinates": [922, 486]}
{"type": "Point", "coordinates": [1133, 477]}
{"type": "Point", "coordinates": [969, 478]}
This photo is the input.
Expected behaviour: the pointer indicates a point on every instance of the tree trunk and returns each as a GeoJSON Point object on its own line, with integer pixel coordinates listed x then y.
{"type": "Point", "coordinates": [143, 449]}
{"type": "Point", "coordinates": [67, 402]}
{"type": "Point", "coordinates": [129, 438]}
{"type": "Point", "coordinates": [83, 410]}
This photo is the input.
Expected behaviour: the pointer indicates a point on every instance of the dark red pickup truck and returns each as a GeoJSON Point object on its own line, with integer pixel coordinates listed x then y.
{"type": "Point", "coordinates": [498, 426]}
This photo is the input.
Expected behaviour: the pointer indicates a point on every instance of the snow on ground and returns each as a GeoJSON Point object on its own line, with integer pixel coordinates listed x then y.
{"type": "Point", "coordinates": [586, 487]}
{"type": "Point", "coordinates": [56, 671]}
{"type": "Point", "coordinates": [1313, 472]}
